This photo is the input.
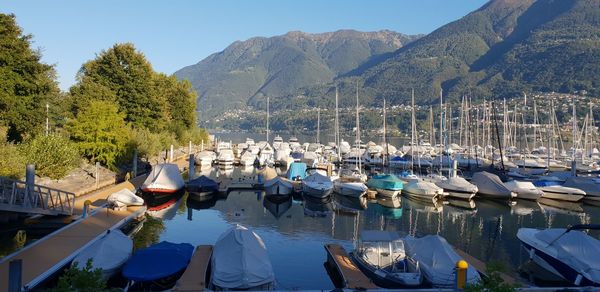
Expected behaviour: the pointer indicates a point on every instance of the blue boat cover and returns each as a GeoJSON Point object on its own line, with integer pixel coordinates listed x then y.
{"type": "Point", "coordinates": [545, 183]}
{"type": "Point", "coordinates": [203, 183]}
{"type": "Point", "coordinates": [158, 261]}
{"type": "Point", "coordinates": [297, 170]}
{"type": "Point", "coordinates": [385, 181]}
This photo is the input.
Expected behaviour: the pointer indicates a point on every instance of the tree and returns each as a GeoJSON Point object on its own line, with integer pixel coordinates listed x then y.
{"type": "Point", "coordinates": [130, 77]}
{"type": "Point", "coordinates": [26, 84]}
{"type": "Point", "coordinates": [100, 132]}
{"type": "Point", "coordinates": [54, 156]}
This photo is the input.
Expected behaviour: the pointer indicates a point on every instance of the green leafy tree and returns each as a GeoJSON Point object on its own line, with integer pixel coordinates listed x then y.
{"type": "Point", "coordinates": [12, 163]}
{"type": "Point", "coordinates": [100, 132]}
{"type": "Point", "coordinates": [54, 156]}
{"type": "Point", "coordinates": [26, 84]}
{"type": "Point", "coordinates": [147, 144]}
{"type": "Point", "coordinates": [126, 73]}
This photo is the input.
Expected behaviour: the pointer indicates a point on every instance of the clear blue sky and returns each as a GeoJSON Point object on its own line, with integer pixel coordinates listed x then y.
{"type": "Point", "coordinates": [174, 34]}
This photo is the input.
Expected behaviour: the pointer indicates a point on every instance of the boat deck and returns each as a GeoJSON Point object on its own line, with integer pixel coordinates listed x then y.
{"type": "Point", "coordinates": [352, 277]}
{"type": "Point", "coordinates": [192, 279]}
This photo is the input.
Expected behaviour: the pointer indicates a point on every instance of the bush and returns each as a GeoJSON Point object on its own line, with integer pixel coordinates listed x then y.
{"type": "Point", "coordinates": [493, 282]}
{"type": "Point", "coordinates": [147, 144]}
{"type": "Point", "coordinates": [12, 163]}
{"type": "Point", "coordinates": [54, 156]}
{"type": "Point", "coordinates": [83, 280]}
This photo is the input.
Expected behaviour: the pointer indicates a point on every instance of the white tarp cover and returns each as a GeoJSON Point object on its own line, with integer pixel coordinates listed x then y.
{"type": "Point", "coordinates": [279, 180]}
{"type": "Point", "coordinates": [240, 260]}
{"type": "Point", "coordinates": [437, 260]}
{"type": "Point", "coordinates": [108, 253]}
{"type": "Point", "coordinates": [457, 183]}
{"type": "Point", "coordinates": [576, 249]}
{"type": "Point", "coordinates": [490, 184]}
{"type": "Point", "coordinates": [164, 176]}
{"type": "Point", "coordinates": [125, 197]}
{"type": "Point", "coordinates": [591, 186]}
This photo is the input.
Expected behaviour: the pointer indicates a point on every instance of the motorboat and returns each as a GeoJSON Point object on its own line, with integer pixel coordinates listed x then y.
{"type": "Point", "coordinates": [524, 189]}
{"type": "Point", "coordinates": [108, 253]}
{"type": "Point", "coordinates": [386, 184]}
{"type": "Point", "coordinates": [205, 158]}
{"type": "Point", "coordinates": [382, 257]}
{"type": "Point", "coordinates": [164, 178]}
{"type": "Point", "coordinates": [349, 188]}
{"type": "Point", "coordinates": [296, 171]}
{"type": "Point", "coordinates": [240, 262]}
{"type": "Point", "coordinates": [590, 185]}
{"type": "Point", "coordinates": [437, 261]}
{"type": "Point", "coordinates": [202, 186]}
{"type": "Point", "coordinates": [458, 187]}
{"type": "Point", "coordinates": [124, 198]}
{"type": "Point", "coordinates": [421, 189]}
{"type": "Point", "coordinates": [278, 186]}
{"type": "Point", "coordinates": [248, 158]}
{"type": "Point", "coordinates": [554, 190]}
{"type": "Point", "coordinates": [490, 186]}
{"type": "Point", "coordinates": [317, 185]}
{"type": "Point", "coordinates": [567, 253]}
{"type": "Point", "coordinates": [226, 159]}
{"type": "Point", "coordinates": [157, 266]}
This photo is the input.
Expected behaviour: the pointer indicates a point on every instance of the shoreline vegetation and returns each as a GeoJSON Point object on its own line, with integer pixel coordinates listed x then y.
{"type": "Point", "coordinates": [118, 106]}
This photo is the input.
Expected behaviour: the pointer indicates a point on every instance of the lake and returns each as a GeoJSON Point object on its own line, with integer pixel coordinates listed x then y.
{"type": "Point", "coordinates": [295, 231]}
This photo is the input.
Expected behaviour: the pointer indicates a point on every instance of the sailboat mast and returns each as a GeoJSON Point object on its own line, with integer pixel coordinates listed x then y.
{"type": "Point", "coordinates": [441, 122]}
{"type": "Point", "coordinates": [358, 132]}
{"type": "Point", "coordinates": [318, 125]}
{"type": "Point", "coordinates": [267, 119]}
{"type": "Point", "coordinates": [412, 130]}
{"type": "Point", "coordinates": [384, 132]}
{"type": "Point", "coordinates": [337, 127]}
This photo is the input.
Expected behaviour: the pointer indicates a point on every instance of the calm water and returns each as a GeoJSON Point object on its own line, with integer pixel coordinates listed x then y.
{"type": "Point", "coordinates": [295, 231]}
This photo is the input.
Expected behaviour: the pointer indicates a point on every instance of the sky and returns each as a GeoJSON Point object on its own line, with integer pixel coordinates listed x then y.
{"type": "Point", "coordinates": [179, 33]}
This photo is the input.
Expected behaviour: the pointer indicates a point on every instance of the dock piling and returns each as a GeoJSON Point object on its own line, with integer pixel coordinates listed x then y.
{"type": "Point", "coordinates": [191, 168]}
{"type": "Point", "coordinates": [30, 184]}
{"type": "Point", "coordinates": [15, 268]}
{"type": "Point", "coordinates": [135, 166]}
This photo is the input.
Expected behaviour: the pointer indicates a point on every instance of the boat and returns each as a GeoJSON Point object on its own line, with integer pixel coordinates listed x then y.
{"type": "Point", "coordinates": [278, 186]}
{"type": "Point", "coordinates": [240, 262]}
{"type": "Point", "coordinates": [124, 198]}
{"type": "Point", "coordinates": [277, 205]}
{"type": "Point", "coordinates": [202, 186]}
{"type": "Point", "coordinates": [381, 256]}
{"type": "Point", "coordinates": [350, 188]}
{"type": "Point", "coordinates": [554, 190]}
{"type": "Point", "coordinates": [164, 178]}
{"type": "Point", "coordinates": [590, 185]}
{"type": "Point", "coordinates": [108, 253]}
{"type": "Point", "coordinates": [386, 184]}
{"type": "Point", "coordinates": [317, 185]}
{"type": "Point", "coordinates": [437, 260]}
{"type": "Point", "coordinates": [226, 159]}
{"type": "Point", "coordinates": [158, 266]}
{"type": "Point", "coordinates": [458, 187]}
{"type": "Point", "coordinates": [491, 186]}
{"type": "Point", "coordinates": [248, 158]}
{"type": "Point", "coordinates": [205, 158]}
{"type": "Point", "coordinates": [296, 171]}
{"type": "Point", "coordinates": [524, 189]}
{"type": "Point", "coordinates": [421, 189]}
{"type": "Point", "coordinates": [567, 253]}
{"type": "Point", "coordinates": [164, 208]}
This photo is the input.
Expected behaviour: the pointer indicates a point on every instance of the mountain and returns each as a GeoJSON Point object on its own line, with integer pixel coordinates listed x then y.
{"type": "Point", "coordinates": [499, 50]}
{"type": "Point", "coordinates": [246, 71]}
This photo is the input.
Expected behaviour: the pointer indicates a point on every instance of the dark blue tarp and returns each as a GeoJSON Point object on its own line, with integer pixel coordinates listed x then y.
{"type": "Point", "coordinates": [158, 261]}
{"type": "Point", "coordinates": [545, 183]}
{"type": "Point", "coordinates": [297, 170]}
{"type": "Point", "coordinates": [203, 184]}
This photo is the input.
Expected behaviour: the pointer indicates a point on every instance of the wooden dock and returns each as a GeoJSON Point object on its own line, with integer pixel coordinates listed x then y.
{"type": "Point", "coordinates": [352, 277]}
{"type": "Point", "coordinates": [195, 276]}
{"type": "Point", "coordinates": [480, 266]}
{"type": "Point", "coordinates": [49, 254]}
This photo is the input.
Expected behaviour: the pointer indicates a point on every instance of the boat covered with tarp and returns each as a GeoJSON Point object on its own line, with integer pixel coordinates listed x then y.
{"type": "Point", "coordinates": [491, 186]}
{"type": "Point", "coordinates": [164, 178]}
{"type": "Point", "coordinates": [108, 253]}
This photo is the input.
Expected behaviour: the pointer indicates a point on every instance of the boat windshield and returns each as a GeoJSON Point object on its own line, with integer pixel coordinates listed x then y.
{"type": "Point", "coordinates": [382, 253]}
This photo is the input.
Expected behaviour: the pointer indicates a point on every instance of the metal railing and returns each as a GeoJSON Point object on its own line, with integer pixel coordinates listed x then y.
{"type": "Point", "coordinates": [17, 196]}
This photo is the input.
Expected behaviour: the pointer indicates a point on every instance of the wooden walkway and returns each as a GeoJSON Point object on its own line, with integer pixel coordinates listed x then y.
{"type": "Point", "coordinates": [195, 276]}
{"type": "Point", "coordinates": [480, 266]}
{"type": "Point", "coordinates": [352, 277]}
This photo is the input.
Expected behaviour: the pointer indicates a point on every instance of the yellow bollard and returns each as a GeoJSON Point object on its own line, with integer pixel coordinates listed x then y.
{"type": "Point", "coordinates": [461, 274]}
{"type": "Point", "coordinates": [86, 208]}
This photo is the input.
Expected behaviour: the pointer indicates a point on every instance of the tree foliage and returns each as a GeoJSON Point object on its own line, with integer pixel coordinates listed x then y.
{"type": "Point", "coordinates": [26, 84]}
{"type": "Point", "coordinates": [100, 132]}
{"type": "Point", "coordinates": [54, 156]}
{"type": "Point", "coordinates": [81, 280]}
{"type": "Point", "coordinates": [12, 163]}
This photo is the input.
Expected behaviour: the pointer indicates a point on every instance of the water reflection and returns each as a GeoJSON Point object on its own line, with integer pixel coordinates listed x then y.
{"type": "Point", "coordinates": [292, 226]}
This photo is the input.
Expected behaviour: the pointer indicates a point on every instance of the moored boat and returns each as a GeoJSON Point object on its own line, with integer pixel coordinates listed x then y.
{"type": "Point", "coordinates": [386, 184]}
{"type": "Point", "coordinates": [202, 186]}
{"type": "Point", "coordinates": [554, 190]}
{"type": "Point", "coordinates": [490, 186]}
{"type": "Point", "coordinates": [124, 198]}
{"type": "Point", "coordinates": [317, 185]}
{"type": "Point", "coordinates": [278, 186]}
{"type": "Point", "coordinates": [458, 187]}
{"type": "Point", "coordinates": [108, 253]}
{"type": "Point", "coordinates": [164, 178]}
{"type": "Point", "coordinates": [524, 189]}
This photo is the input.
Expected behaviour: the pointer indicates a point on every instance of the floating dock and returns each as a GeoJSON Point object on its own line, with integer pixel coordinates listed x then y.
{"type": "Point", "coordinates": [352, 277]}
{"type": "Point", "coordinates": [48, 255]}
{"type": "Point", "coordinates": [196, 274]}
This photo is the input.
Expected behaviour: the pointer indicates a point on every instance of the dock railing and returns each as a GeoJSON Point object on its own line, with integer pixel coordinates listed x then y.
{"type": "Point", "coordinates": [18, 196]}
